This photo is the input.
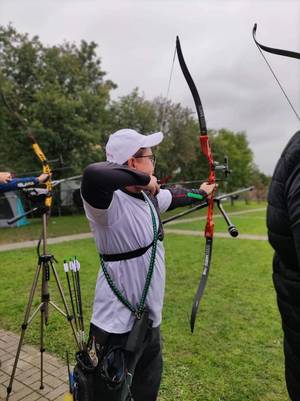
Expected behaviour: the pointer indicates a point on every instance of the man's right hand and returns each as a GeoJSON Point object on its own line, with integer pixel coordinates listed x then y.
{"type": "Point", "coordinates": [153, 187]}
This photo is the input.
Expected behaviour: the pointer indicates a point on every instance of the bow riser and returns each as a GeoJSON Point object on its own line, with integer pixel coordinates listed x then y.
{"type": "Point", "coordinates": [46, 170]}
{"type": "Point", "coordinates": [206, 150]}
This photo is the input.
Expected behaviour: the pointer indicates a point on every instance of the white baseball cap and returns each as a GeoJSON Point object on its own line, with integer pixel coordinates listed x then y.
{"type": "Point", "coordinates": [124, 143]}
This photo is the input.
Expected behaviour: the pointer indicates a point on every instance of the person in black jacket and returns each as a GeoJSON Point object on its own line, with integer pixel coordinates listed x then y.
{"type": "Point", "coordinates": [283, 221]}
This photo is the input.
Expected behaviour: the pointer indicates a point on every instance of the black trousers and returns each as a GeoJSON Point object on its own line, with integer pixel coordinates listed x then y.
{"type": "Point", "coordinates": [148, 366]}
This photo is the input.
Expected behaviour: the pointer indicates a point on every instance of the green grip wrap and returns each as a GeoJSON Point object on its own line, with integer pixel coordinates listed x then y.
{"type": "Point", "coordinates": [195, 196]}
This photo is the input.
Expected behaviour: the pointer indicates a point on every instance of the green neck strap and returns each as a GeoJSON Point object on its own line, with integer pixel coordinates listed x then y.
{"type": "Point", "coordinates": [140, 307]}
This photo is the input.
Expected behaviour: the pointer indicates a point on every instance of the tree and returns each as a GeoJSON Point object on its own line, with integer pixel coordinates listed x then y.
{"type": "Point", "coordinates": [261, 183]}
{"type": "Point", "coordinates": [60, 91]}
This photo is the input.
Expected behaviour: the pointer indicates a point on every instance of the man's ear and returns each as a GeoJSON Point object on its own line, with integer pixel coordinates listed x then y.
{"type": "Point", "coordinates": [131, 162]}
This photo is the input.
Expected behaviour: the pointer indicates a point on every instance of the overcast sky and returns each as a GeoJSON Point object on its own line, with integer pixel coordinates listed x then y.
{"type": "Point", "coordinates": [136, 44]}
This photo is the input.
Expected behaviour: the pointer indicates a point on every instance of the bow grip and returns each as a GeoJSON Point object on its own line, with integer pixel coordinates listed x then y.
{"type": "Point", "coordinates": [206, 150]}
{"type": "Point", "coordinates": [209, 229]}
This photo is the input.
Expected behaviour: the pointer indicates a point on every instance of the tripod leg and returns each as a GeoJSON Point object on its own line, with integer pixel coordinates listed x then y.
{"type": "Point", "coordinates": [42, 348]}
{"type": "Point", "coordinates": [45, 298]}
{"type": "Point", "coordinates": [23, 327]}
{"type": "Point", "coordinates": [45, 287]}
{"type": "Point", "coordinates": [69, 316]}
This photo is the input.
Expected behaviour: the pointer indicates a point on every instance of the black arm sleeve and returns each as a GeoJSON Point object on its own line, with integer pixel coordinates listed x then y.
{"type": "Point", "coordinates": [180, 198]}
{"type": "Point", "coordinates": [100, 180]}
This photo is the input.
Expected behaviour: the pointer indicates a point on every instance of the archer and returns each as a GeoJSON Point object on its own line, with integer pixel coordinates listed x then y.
{"type": "Point", "coordinates": [123, 202]}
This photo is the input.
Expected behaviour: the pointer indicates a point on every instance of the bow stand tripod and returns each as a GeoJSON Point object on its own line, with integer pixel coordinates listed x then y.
{"type": "Point", "coordinates": [45, 265]}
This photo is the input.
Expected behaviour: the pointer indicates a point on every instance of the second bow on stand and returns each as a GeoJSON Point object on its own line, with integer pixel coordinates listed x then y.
{"type": "Point", "coordinates": [213, 166]}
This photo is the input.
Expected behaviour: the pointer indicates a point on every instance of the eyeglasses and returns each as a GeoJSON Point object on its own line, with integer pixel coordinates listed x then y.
{"type": "Point", "coordinates": [150, 157]}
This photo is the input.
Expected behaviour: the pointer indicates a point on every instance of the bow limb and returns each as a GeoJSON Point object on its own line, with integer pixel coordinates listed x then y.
{"type": "Point", "coordinates": [192, 86]}
{"type": "Point", "coordinates": [279, 52]}
{"type": "Point", "coordinates": [206, 150]}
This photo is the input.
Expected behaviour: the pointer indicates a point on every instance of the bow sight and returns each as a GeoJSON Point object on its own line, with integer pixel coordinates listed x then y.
{"type": "Point", "coordinates": [224, 168]}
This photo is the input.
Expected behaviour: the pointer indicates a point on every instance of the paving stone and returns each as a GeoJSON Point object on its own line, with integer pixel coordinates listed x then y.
{"type": "Point", "coordinates": [28, 373]}
{"type": "Point", "coordinates": [19, 395]}
{"type": "Point", "coordinates": [26, 384]}
{"type": "Point", "coordinates": [4, 358]}
{"type": "Point", "coordinates": [3, 377]}
{"type": "Point", "coordinates": [53, 381]}
{"type": "Point", "coordinates": [36, 386]}
{"type": "Point", "coordinates": [63, 388]}
{"type": "Point", "coordinates": [32, 359]}
{"type": "Point", "coordinates": [3, 392]}
{"type": "Point", "coordinates": [48, 368]}
{"type": "Point", "coordinates": [23, 365]}
{"type": "Point", "coordinates": [61, 372]}
{"type": "Point", "coordinates": [16, 386]}
{"type": "Point", "coordinates": [36, 377]}
{"type": "Point", "coordinates": [32, 397]}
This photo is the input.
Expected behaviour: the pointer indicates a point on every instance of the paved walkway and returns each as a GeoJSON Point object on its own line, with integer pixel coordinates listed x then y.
{"type": "Point", "coordinates": [75, 237]}
{"type": "Point", "coordinates": [32, 244]}
{"type": "Point", "coordinates": [26, 385]}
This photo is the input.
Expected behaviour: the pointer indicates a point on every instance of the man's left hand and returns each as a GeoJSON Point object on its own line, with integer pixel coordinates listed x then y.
{"type": "Point", "coordinates": [208, 188]}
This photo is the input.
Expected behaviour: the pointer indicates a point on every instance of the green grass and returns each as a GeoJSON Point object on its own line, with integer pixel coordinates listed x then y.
{"type": "Point", "coordinates": [75, 224]}
{"type": "Point", "coordinates": [248, 223]}
{"type": "Point", "coordinates": [235, 353]}
{"type": "Point", "coordinates": [57, 226]}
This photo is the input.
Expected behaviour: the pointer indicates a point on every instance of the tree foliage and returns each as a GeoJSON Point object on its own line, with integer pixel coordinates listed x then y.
{"type": "Point", "coordinates": [60, 91]}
